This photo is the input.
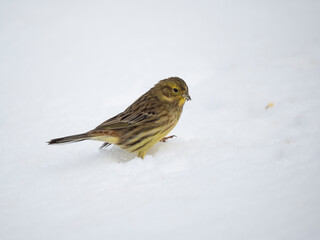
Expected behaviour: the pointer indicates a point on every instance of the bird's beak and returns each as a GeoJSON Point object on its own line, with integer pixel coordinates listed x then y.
{"type": "Point", "coordinates": [186, 96]}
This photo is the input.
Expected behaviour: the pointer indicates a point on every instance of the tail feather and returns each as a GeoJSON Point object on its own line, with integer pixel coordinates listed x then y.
{"type": "Point", "coordinates": [69, 139]}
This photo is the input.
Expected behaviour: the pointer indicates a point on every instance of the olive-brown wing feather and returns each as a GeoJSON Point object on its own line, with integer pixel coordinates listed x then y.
{"type": "Point", "coordinates": [144, 110]}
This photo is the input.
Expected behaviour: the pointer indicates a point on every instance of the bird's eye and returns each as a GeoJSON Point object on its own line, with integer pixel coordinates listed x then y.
{"type": "Point", "coordinates": [175, 90]}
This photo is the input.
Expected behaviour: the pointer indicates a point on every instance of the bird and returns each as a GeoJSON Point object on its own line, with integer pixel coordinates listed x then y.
{"type": "Point", "coordinates": [145, 122]}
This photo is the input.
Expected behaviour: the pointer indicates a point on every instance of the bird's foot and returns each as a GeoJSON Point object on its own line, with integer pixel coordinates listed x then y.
{"type": "Point", "coordinates": [166, 138]}
{"type": "Point", "coordinates": [105, 145]}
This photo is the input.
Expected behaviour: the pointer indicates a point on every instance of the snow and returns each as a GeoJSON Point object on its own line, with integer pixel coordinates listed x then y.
{"type": "Point", "coordinates": [236, 171]}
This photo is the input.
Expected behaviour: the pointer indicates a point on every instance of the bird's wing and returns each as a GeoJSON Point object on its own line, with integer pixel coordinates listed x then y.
{"type": "Point", "coordinates": [124, 120]}
{"type": "Point", "coordinates": [142, 111]}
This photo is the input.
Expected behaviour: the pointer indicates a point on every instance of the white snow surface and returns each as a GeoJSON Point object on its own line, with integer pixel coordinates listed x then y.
{"type": "Point", "coordinates": [236, 170]}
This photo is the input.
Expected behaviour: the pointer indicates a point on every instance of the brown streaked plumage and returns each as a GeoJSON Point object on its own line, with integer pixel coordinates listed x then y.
{"type": "Point", "coordinates": [145, 122]}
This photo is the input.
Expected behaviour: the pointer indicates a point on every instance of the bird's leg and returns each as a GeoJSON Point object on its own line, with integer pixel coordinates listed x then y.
{"type": "Point", "coordinates": [141, 154]}
{"type": "Point", "coordinates": [105, 145]}
{"type": "Point", "coordinates": [166, 138]}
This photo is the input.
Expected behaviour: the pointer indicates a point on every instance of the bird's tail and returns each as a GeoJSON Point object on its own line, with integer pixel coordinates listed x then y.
{"type": "Point", "coordinates": [69, 139]}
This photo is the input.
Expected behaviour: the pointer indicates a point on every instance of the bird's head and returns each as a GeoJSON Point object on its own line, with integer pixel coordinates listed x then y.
{"type": "Point", "coordinates": [172, 90]}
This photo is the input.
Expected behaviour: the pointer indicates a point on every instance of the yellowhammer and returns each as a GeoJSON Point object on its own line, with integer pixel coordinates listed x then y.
{"type": "Point", "coordinates": [144, 123]}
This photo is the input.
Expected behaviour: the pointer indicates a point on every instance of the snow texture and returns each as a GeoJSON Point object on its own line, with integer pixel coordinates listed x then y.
{"type": "Point", "coordinates": [236, 171]}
